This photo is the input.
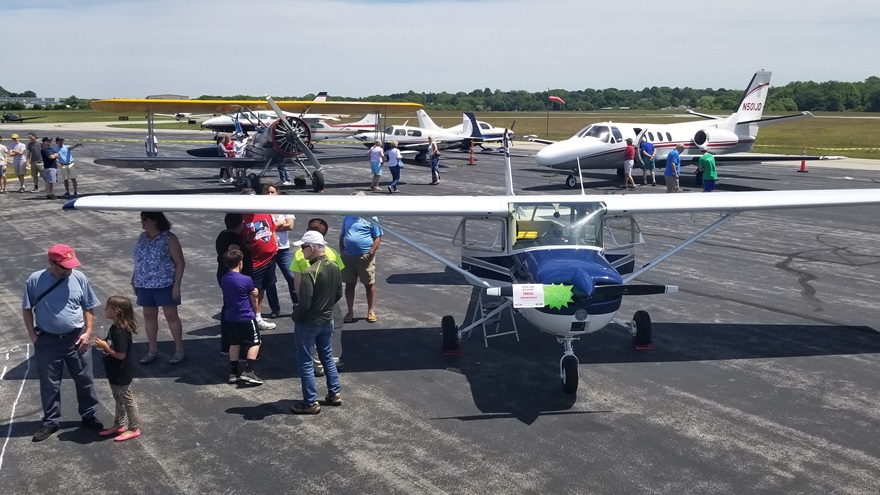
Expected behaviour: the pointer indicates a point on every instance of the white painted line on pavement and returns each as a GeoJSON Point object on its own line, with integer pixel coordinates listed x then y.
{"type": "Point", "coordinates": [15, 403]}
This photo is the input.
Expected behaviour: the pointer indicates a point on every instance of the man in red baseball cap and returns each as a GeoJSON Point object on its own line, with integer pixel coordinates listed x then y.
{"type": "Point", "coordinates": [58, 313]}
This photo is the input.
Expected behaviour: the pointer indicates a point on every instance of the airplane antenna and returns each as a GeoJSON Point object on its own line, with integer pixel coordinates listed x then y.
{"type": "Point", "coordinates": [508, 170]}
{"type": "Point", "coordinates": [581, 176]}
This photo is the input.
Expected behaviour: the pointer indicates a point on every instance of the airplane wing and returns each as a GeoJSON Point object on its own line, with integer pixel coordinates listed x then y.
{"type": "Point", "coordinates": [181, 162]}
{"type": "Point", "coordinates": [492, 206]}
{"type": "Point", "coordinates": [757, 158]}
{"type": "Point", "coordinates": [126, 105]}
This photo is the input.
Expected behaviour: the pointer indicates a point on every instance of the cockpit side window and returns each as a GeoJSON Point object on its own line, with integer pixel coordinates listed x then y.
{"type": "Point", "coordinates": [413, 132]}
{"type": "Point", "coordinates": [399, 132]}
{"type": "Point", "coordinates": [618, 137]}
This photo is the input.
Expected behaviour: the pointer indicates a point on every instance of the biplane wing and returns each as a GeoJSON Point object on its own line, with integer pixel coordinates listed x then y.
{"type": "Point", "coordinates": [132, 105]}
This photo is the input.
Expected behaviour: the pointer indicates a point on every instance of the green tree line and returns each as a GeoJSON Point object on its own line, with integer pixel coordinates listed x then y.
{"type": "Point", "coordinates": [829, 96]}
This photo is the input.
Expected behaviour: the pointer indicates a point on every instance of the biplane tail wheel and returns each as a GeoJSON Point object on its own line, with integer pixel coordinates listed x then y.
{"type": "Point", "coordinates": [450, 334]}
{"type": "Point", "coordinates": [642, 333]}
{"type": "Point", "coordinates": [571, 182]}
{"type": "Point", "coordinates": [318, 181]}
{"type": "Point", "coordinates": [283, 141]}
{"type": "Point", "coordinates": [568, 369]}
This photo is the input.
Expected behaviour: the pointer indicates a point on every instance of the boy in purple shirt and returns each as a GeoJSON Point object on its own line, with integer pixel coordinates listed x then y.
{"type": "Point", "coordinates": [239, 317]}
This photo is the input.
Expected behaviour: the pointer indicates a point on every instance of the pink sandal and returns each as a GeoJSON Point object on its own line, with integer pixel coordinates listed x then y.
{"type": "Point", "coordinates": [113, 430]}
{"type": "Point", "coordinates": [127, 435]}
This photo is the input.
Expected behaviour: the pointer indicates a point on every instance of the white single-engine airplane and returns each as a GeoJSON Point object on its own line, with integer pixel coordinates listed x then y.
{"type": "Point", "coordinates": [276, 143]}
{"type": "Point", "coordinates": [601, 145]}
{"type": "Point", "coordinates": [411, 138]}
{"type": "Point", "coordinates": [553, 257]}
{"type": "Point", "coordinates": [488, 133]}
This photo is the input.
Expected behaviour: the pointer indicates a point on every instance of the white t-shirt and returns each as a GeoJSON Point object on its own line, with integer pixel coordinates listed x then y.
{"type": "Point", "coordinates": [394, 157]}
{"type": "Point", "coordinates": [376, 154]}
{"type": "Point", "coordinates": [4, 155]}
{"type": "Point", "coordinates": [19, 159]}
{"type": "Point", "coordinates": [282, 235]}
{"type": "Point", "coordinates": [238, 147]}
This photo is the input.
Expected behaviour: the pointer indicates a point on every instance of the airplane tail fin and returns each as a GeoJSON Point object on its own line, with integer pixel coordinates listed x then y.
{"type": "Point", "coordinates": [369, 120]}
{"type": "Point", "coordinates": [425, 122]}
{"type": "Point", "coordinates": [238, 129]}
{"type": "Point", "coordinates": [469, 126]}
{"type": "Point", "coordinates": [751, 105]}
{"type": "Point", "coordinates": [322, 96]}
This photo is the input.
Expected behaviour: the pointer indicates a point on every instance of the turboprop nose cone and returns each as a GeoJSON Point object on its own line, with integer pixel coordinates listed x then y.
{"type": "Point", "coordinates": [557, 153]}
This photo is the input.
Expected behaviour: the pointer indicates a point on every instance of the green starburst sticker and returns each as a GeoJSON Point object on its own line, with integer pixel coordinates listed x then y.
{"type": "Point", "coordinates": [557, 295]}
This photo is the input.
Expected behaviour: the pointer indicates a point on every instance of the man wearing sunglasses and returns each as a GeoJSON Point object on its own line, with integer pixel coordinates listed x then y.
{"type": "Point", "coordinates": [57, 309]}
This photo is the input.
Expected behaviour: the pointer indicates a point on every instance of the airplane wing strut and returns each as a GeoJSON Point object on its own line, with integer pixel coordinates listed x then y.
{"type": "Point", "coordinates": [656, 261]}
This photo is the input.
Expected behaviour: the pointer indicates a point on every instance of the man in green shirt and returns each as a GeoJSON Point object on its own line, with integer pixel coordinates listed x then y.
{"type": "Point", "coordinates": [298, 266]}
{"type": "Point", "coordinates": [707, 165]}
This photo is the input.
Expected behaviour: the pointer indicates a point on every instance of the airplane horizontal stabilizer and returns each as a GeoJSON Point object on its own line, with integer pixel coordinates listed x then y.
{"type": "Point", "coordinates": [776, 120]}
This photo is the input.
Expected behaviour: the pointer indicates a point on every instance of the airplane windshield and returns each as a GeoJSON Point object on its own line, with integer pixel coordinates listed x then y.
{"type": "Point", "coordinates": [599, 132]}
{"type": "Point", "coordinates": [575, 224]}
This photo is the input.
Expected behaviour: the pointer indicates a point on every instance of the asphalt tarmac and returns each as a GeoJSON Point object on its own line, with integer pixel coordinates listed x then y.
{"type": "Point", "coordinates": [763, 378]}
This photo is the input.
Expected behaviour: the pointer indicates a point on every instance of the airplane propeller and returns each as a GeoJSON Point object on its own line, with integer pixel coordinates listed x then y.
{"type": "Point", "coordinates": [285, 131]}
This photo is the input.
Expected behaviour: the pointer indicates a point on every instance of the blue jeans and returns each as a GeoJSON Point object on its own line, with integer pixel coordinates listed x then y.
{"type": "Point", "coordinates": [435, 168]}
{"type": "Point", "coordinates": [53, 353]}
{"type": "Point", "coordinates": [283, 258]}
{"type": "Point", "coordinates": [307, 338]}
{"type": "Point", "coordinates": [283, 173]}
{"type": "Point", "coordinates": [395, 177]}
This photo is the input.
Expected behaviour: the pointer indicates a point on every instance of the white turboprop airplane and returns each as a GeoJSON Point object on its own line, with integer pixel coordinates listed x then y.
{"type": "Point", "coordinates": [601, 145]}
{"type": "Point", "coordinates": [274, 144]}
{"type": "Point", "coordinates": [487, 131]}
{"type": "Point", "coordinates": [553, 257]}
{"type": "Point", "coordinates": [410, 138]}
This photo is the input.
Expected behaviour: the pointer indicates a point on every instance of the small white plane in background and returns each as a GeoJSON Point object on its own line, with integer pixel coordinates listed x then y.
{"type": "Point", "coordinates": [488, 132]}
{"type": "Point", "coordinates": [601, 145]}
{"type": "Point", "coordinates": [555, 258]}
{"type": "Point", "coordinates": [411, 138]}
{"type": "Point", "coordinates": [248, 121]}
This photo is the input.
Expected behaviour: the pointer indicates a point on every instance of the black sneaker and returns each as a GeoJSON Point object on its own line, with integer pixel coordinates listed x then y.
{"type": "Point", "coordinates": [390, 190]}
{"type": "Point", "coordinates": [303, 408]}
{"type": "Point", "coordinates": [92, 424]}
{"type": "Point", "coordinates": [44, 433]}
{"type": "Point", "coordinates": [333, 399]}
{"type": "Point", "coordinates": [251, 378]}
{"type": "Point", "coordinates": [340, 365]}
{"type": "Point", "coordinates": [233, 378]}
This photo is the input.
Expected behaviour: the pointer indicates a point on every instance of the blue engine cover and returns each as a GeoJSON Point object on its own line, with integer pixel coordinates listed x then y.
{"type": "Point", "coordinates": [582, 268]}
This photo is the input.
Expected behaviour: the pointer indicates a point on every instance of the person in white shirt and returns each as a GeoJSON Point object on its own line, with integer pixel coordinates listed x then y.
{"type": "Point", "coordinates": [19, 161]}
{"type": "Point", "coordinates": [4, 157]}
{"type": "Point", "coordinates": [240, 145]}
{"type": "Point", "coordinates": [394, 166]}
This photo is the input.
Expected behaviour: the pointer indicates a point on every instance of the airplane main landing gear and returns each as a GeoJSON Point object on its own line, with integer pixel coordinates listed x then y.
{"type": "Point", "coordinates": [450, 335]}
{"type": "Point", "coordinates": [318, 181]}
{"type": "Point", "coordinates": [640, 328]}
{"type": "Point", "coordinates": [568, 368]}
{"type": "Point", "coordinates": [571, 181]}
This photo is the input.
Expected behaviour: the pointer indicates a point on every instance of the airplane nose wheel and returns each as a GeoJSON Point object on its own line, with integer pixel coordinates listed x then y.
{"type": "Point", "coordinates": [568, 371]}
{"type": "Point", "coordinates": [568, 368]}
{"type": "Point", "coordinates": [571, 182]}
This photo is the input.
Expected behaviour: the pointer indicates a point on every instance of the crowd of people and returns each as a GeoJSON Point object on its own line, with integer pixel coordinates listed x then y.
{"type": "Point", "coordinates": [59, 302]}
{"type": "Point", "coordinates": [41, 160]}
{"type": "Point", "coordinates": [672, 173]}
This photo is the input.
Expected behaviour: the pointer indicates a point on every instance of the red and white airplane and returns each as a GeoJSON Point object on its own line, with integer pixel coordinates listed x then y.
{"type": "Point", "coordinates": [601, 145]}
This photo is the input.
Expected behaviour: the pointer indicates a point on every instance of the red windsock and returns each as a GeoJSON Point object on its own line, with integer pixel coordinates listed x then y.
{"type": "Point", "coordinates": [558, 99]}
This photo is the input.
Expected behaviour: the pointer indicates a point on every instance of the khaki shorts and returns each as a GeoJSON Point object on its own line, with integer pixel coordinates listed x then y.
{"type": "Point", "coordinates": [67, 171]}
{"type": "Point", "coordinates": [361, 268]}
{"type": "Point", "coordinates": [36, 169]}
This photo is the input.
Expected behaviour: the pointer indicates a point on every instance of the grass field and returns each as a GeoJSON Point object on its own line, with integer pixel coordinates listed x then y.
{"type": "Point", "coordinates": [856, 135]}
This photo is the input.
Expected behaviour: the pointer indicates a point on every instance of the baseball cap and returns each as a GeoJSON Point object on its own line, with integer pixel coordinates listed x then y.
{"type": "Point", "coordinates": [63, 255]}
{"type": "Point", "coordinates": [629, 140]}
{"type": "Point", "coordinates": [311, 237]}
{"type": "Point", "coordinates": [46, 140]}
{"type": "Point", "coordinates": [59, 138]}
{"type": "Point", "coordinates": [15, 136]}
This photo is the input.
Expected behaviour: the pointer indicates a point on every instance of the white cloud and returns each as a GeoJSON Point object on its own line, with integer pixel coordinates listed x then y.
{"type": "Point", "coordinates": [112, 48]}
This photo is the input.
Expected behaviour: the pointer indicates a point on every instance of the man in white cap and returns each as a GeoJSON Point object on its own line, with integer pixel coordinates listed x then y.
{"type": "Point", "coordinates": [319, 290]}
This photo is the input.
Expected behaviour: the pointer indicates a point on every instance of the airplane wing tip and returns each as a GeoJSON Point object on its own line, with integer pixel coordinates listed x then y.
{"type": "Point", "coordinates": [70, 205]}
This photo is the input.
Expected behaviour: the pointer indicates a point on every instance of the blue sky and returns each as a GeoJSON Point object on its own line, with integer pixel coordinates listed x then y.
{"type": "Point", "coordinates": [132, 48]}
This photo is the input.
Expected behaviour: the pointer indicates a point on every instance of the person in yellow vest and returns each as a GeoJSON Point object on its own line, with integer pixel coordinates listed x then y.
{"type": "Point", "coordinates": [297, 266]}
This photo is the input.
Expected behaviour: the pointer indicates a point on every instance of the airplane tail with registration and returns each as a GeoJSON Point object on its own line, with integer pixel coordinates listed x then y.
{"type": "Point", "coordinates": [751, 105]}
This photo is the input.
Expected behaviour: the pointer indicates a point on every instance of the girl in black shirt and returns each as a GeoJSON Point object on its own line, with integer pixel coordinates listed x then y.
{"type": "Point", "coordinates": [118, 363]}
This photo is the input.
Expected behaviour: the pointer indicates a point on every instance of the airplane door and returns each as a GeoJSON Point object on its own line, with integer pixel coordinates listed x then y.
{"type": "Point", "coordinates": [639, 139]}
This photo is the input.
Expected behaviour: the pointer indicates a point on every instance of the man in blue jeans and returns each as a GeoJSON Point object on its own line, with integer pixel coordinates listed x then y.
{"type": "Point", "coordinates": [57, 310]}
{"type": "Point", "coordinates": [319, 290]}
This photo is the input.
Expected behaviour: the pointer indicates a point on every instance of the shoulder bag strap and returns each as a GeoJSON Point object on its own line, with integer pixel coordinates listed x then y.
{"type": "Point", "coordinates": [46, 292]}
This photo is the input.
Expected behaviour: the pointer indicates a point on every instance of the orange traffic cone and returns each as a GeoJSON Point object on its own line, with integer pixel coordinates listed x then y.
{"type": "Point", "coordinates": [803, 162]}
